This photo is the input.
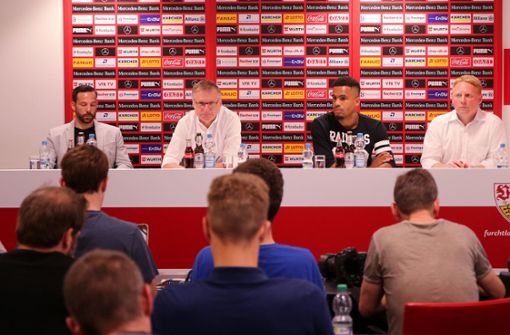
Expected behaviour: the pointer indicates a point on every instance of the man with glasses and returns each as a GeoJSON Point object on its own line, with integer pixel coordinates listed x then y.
{"type": "Point", "coordinates": [208, 116]}
{"type": "Point", "coordinates": [467, 136]}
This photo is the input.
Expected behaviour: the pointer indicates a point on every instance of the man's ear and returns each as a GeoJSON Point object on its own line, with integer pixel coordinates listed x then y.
{"type": "Point", "coordinates": [104, 184]}
{"type": "Point", "coordinates": [73, 326]}
{"type": "Point", "coordinates": [264, 227]}
{"type": "Point", "coordinates": [396, 212]}
{"type": "Point", "coordinates": [62, 182]}
{"type": "Point", "coordinates": [68, 241]}
{"type": "Point", "coordinates": [205, 228]}
{"type": "Point", "coordinates": [436, 208]}
{"type": "Point", "coordinates": [147, 300]}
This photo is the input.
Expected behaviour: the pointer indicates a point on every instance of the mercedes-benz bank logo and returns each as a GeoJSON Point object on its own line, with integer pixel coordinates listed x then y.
{"type": "Point", "coordinates": [392, 126]}
{"type": "Point", "coordinates": [105, 52]}
{"type": "Point", "coordinates": [271, 29]}
{"type": "Point", "coordinates": [194, 30]}
{"type": "Point", "coordinates": [249, 126]}
{"type": "Point", "coordinates": [415, 83]}
{"type": "Point", "coordinates": [483, 29]}
{"type": "Point", "coordinates": [415, 29]}
{"type": "Point", "coordinates": [127, 30]}
{"type": "Point", "coordinates": [248, 50]}
{"type": "Point", "coordinates": [271, 83]}
{"type": "Point", "coordinates": [172, 51]}
{"type": "Point", "coordinates": [128, 84]}
{"type": "Point", "coordinates": [460, 51]}
{"type": "Point", "coordinates": [272, 158]}
{"type": "Point", "coordinates": [392, 51]}
{"type": "Point", "coordinates": [316, 50]}
{"type": "Point", "coordinates": [484, 83]}
{"type": "Point", "coordinates": [415, 159]}
{"type": "Point", "coordinates": [339, 29]}
{"type": "Point", "coordinates": [193, 82]}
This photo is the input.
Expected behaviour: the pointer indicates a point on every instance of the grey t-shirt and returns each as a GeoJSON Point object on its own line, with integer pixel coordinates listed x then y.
{"type": "Point", "coordinates": [438, 262]}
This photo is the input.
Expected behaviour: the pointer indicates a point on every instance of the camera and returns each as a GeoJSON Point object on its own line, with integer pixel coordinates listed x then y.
{"type": "Point", "coordinates": [343, 267]}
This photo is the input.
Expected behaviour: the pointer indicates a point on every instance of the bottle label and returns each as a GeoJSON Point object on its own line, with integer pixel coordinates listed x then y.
{"type": "Point", "coordinates": [342, 330]}
{"type": "Point", "coordinates": [209, 161]}
{"type": "Point", "coordinates": [199, 161]}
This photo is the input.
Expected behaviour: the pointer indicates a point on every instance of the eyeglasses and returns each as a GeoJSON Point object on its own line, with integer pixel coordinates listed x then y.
{"type": "Point", "coordinates": [203, 104]}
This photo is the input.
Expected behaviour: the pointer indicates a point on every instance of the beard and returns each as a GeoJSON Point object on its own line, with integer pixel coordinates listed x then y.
{"type": "Point", "coordinates": [86, 118]}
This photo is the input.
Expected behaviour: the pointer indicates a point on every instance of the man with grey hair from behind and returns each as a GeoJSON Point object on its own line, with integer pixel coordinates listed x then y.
{"type": "Point", "coordinates": [105, 294]}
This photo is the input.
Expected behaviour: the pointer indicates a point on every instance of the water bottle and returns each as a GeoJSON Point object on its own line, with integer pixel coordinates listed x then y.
{"type": "Point", "coordinates": [209, 156]}
{"type": "Point", "coordinates": [308, 156]}
{"type": "Point", "coordinates": [81, 138]}
{"type": "Point", "coordinates": [92, 140]}
{"type": "Point", "coordinates": [501, 157]}
{"type": "Point", "coordinates": [342, 305]}
{"type": "Point", "coordinates": [349, 151]}
{"type": "Point", "coordinates": [360, 154]}
{"type": "Point", "coordinates": [242, 154]}
{"type": "Point", "coordinates": [44, 155]}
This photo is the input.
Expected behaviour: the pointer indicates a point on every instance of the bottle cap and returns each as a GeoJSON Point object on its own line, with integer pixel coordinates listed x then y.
{"type": "Point", "coordinates": [341, 287]}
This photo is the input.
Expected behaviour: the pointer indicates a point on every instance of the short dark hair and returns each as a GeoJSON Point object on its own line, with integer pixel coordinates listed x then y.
{"type": "Point", "coordinates": [415, 190]}
{"type": "Point", "coordinates": [82, 89]}
{"type": "Point", "coordinates": [237, 206]}
{"type": "Point", "coordinates": [102, 291]}
{"type": "Point", "coordinates": [84, 168]}
{"type": "Point", "coordinates": [347, 81]}
{"type": "Point", "coordinates": [272, 175]}
{"type": "Point", "coordinates": [46, 214]}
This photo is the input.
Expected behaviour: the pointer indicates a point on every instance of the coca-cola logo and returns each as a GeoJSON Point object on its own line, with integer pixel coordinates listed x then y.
{"type": "Point", "coordinates": [460, 61]}
{"type": "Point", "coordinates": [316, 18]}
{"type": "Point", "coordinates": [173, 116]}
{"type": "Point", "coordinates": [316, 94]}
{"type": "Point", "coordinates": [173, 62]}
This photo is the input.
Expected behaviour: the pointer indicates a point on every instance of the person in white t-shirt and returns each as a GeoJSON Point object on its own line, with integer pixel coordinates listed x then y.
{"type": "Point", "coordinates": [467, 136]}
{"type": "Point", "coordinates": [208, 116]}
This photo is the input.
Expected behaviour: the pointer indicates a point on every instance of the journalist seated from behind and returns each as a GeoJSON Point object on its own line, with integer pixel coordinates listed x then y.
{"type": "Point", "coordinates": [109, 138]}
{"type": "Point", "coordinates": [423, 259]}
{"type": "Point", "coordinates": [467, 136]}
{"type": "Point", "coordinates": [329, 128]}
{"type": "Point", "coordinates": [208, 116]}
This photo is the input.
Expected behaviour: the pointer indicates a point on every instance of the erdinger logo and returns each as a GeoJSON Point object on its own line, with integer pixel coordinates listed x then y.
{"type": "Point", "coordinates": [502, 198]}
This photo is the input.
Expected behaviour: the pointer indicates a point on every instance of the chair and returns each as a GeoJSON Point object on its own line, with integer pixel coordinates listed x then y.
{"type": "Point", "coordinates": [481, 317]}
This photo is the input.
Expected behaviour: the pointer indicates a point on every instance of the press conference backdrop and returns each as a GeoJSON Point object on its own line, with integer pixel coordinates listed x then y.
{"type": "Point", "coordinates": [275, 62]}
{"type": "Point", "coordinates": [32, 79]}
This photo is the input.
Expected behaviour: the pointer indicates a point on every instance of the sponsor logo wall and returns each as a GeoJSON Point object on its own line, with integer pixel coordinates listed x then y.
{"type": "Point", "coordinates": [275, 61]}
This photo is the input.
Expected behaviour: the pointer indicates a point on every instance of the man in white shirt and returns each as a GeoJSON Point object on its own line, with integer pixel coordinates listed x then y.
{"type": "Point", "coordinates": [467, 136]}
{"type": "Point", "coordinates": [208, 116]}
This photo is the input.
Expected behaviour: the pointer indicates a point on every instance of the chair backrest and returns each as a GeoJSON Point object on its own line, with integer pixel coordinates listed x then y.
{"type": "Point", "coordinates": [483, 317]}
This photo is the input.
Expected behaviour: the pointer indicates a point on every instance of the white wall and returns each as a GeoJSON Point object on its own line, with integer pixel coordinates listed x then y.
{"type": "Point", "coordinates": [32, 76]}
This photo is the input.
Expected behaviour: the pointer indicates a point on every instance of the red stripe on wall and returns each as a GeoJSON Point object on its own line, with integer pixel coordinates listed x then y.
{"type": "Point", "coordinates": [506, 77]}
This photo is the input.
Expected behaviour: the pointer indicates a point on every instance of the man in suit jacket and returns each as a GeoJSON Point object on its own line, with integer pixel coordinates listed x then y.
{"type": "Point", "coordinates": [109, 138]}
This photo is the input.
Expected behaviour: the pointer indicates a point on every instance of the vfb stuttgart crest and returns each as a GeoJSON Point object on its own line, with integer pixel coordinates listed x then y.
{"type": "Point", "coordinates": [502, 197]}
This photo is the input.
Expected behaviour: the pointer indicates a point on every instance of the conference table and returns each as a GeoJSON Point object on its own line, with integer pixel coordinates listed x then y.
{"type": "Point", "coordinates": [324, 210]}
